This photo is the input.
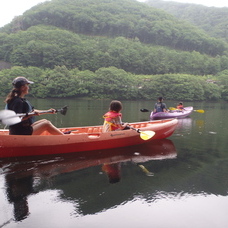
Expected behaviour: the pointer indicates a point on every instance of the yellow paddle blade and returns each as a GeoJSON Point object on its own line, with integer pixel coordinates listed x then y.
{"type": "Point", "coordinates": [172, 108]}
{"type": "Point", "coordinates": [145, 170]}
{"type": "Point", "coordinates": [145, 135]}
{"type": "Point", "coordinates": [200, 111]}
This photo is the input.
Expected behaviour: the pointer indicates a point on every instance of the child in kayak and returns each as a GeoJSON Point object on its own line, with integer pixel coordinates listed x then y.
{"type": "Point", "coordinates": [113, 118]}
{"type": "Point", "coordinates": [180, 106]}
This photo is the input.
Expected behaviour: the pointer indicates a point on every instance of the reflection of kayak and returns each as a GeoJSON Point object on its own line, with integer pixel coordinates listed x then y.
{"type": "Point", "coordinates": [81, 139]}
{"type": "Point", "coordinates": [172, 114]}
{"type": "Point", "coordinates": [51, 165]}
{"type": "Point", "coordinates": [30, 175]}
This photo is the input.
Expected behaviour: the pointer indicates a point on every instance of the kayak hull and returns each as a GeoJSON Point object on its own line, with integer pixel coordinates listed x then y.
{"type": "Point", "coordinates": [42, 167]}
{"type": "Point", "coordinates": [172, 114]}
{"type": "Point", "coordinates": [81, 139]}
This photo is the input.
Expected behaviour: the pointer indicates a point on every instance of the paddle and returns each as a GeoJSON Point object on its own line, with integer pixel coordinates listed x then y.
{"type": "Point", "coordinates": [145, 170]}
{"type": "Point", "coordinates": [200, 110]}
{"type": "Point", "coordinates": [145, 135]}
{"type": "Point", "coordinates": [9, 117]}
{"type": "Point", "coordinates": [144, 110]}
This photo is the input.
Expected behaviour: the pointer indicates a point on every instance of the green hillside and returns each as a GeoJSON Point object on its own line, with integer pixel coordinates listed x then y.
{"type": "Point", "coordinates": [127, 18]}
{"type": "Point", "coordinates": [214, 21]}
{"type": "Point", "coordinates": [95, 44]}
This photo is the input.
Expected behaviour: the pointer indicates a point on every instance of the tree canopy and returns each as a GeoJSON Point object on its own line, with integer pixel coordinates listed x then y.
{"type": "Point", "coordinates": [214, 21]}
{"type": "Point", "coordinates": [114, 83]}
{"type": "Point", "coordinates": [116, 48]}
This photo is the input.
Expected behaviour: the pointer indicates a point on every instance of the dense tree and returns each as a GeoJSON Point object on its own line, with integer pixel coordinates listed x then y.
{"type": "Point", "coordinates": [46, 47]}
{"type": "Point", "coordinates": [112, 48]}
{"type": "Point", "coordinates": [211, 19]}
{"type": "Point", "coordinates": [222, 80]}
{"type": "Point", "coordinates": [115, 83]}
{"type": "Point", "coordinates": [126, 18]}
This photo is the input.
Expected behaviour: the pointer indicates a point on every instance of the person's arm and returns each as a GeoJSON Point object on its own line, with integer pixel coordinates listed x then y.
{"type": "Point", "coordinates": [165, 108]}
{"type": "Point", "coordinates": [119, 123]}
{"type": "Point", "coordinates": [155, 108]}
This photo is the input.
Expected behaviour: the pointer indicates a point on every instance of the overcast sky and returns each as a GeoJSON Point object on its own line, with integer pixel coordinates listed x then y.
{"type": "Point", "coordinates": [11, 8]}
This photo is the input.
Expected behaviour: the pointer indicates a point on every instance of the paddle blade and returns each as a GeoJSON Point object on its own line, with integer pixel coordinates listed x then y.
{"type": "Point", "coordinates": [144, 110]}
{"type": "Point", "coordinates": [145, 135]}
{"type": "Point", "coordinates": [200, 111]}
{"type": "Point", "coordinates": [63, 110]}
{"type": "Point", "coordinates": [145, 170]}
{"type": "Point", "coordinates": [9, 117]}
{"type": "Point", "coordinates": [172, 108]}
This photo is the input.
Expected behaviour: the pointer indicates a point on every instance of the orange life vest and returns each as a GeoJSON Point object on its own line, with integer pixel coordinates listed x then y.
{"type": "Point", "coordinates": [111, 121]}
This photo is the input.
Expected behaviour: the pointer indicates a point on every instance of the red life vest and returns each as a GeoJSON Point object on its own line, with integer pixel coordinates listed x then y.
{"type": "Point", "coordinates": [180, 107]}
{"type": "Point", "coordinates": [111, 118]}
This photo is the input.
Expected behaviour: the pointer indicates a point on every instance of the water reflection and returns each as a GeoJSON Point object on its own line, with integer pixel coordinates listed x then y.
{"type": "Point", "coordinates": [30, 175]}
{"type": "Point", "coordinates": [185, 123]}
{"type": "Point", "coordinates": [17, 190]}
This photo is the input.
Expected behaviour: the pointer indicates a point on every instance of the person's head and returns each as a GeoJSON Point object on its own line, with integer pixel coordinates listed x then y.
{"type": "Point", "coordinates": [18, 82]}
{"type": "Point", "coordinates": [115, 106]}
{"type": "Point", "coordinates": [160, 99]}
{"type": "Point", "coordinates": [21, 88]}
{"type": "Point", "coordinates": [180, 103]}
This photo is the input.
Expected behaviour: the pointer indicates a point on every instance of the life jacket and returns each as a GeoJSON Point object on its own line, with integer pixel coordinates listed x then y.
{"type": "Point", "coordinates": [180, 107]}
{"type": "Point", "coordinates": [111, 120]}
{"type": "Point", "coordinates": [159, 107]}
{"type": "Point", "coordinates": [27, 107]}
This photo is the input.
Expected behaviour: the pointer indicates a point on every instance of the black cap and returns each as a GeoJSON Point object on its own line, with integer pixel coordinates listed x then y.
{"type": "Point", "coordinates": [20, 81]}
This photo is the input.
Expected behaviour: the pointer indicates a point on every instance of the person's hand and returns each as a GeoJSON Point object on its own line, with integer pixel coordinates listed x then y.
{"type": "Point", "coordinates": [125, 126]}
{"type": "Point", "coordinates": [52, 110]}
{"type": "Point", "coordinates": [36, 112]}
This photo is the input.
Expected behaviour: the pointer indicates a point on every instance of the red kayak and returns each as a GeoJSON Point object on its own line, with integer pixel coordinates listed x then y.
{"type": "Point", "coordinates": [83, 139]}
{"type": "Point", "coordinates": [51, 165]}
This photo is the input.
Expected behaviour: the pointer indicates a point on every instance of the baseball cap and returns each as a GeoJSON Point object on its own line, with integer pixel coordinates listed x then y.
{"type": "Point", "coordinates": [20, 81]}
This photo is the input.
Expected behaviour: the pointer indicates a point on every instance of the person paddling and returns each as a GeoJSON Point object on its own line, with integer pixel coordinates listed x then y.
{"type": "Point", "coordinates": [17, 102]}
{"type": "Point", "coordinates": [160, 106]}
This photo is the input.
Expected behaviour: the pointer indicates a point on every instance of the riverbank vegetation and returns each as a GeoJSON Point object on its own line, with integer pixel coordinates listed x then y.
{"type": "Point", "coordinates": [112, 49]}
{"type": "Point", "coordinates": [118, 84]}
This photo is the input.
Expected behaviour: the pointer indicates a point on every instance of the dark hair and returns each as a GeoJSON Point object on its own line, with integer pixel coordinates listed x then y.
{"type": "Point", "coordinates": [160, 98]}
{"type": "Point", "coordinates": [115, 106]}
{"type": "Point", "coordinates": [14, 93]}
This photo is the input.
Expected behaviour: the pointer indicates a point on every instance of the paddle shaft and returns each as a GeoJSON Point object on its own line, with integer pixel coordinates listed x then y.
{"type": "Point", "coordinates": [199, 110]}
{"type": "Point", "coordinates": [9, 117]}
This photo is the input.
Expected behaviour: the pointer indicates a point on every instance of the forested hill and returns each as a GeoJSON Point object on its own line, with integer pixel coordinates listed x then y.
{"type": "Point", "coordinates": [127, 18]}
{"type": "Point", "coordinates": [112, 48]}
{"type": "Point", "coordinates": [213, 20]}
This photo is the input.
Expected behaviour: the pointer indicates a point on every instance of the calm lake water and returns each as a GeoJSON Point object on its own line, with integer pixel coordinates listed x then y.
{"type": "Point", "coordinates": [179, 182]}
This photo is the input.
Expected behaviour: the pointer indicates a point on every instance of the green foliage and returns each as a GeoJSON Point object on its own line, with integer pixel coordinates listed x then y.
{"type": "Point", "coordinates": [126, 18]}
{"type": "Point", "coordinates": [118, 49]}
{"type": "Point", "coordinates": [211, 19]}
{"type": "Point", "coordinates": [46, 47]}
{"type": "Point", "coordinates": [222, 80]}
{"type": "Point", "coordinates": [114, 83]}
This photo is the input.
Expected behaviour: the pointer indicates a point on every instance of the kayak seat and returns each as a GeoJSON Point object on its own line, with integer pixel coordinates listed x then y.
{"type": "Point", "coordinates": [93, 136]}
{"type": "Point", "coordinates": [90, 130]}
